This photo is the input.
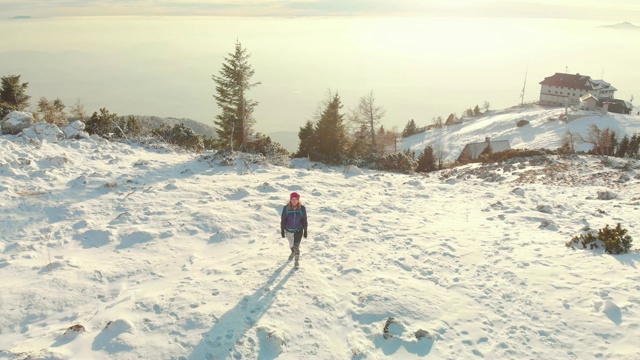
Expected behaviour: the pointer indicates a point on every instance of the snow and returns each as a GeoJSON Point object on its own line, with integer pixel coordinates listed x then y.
{"type": "Point", "coordinates": [544, 129]}
{"type": "Point", "coordinates": [164, 254]}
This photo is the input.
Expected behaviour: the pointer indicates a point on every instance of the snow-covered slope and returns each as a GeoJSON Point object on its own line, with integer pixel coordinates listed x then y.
{"type": "Point", "coordinates": [169, 255]}
{"type": "Point", "coordinates": [543, 131]}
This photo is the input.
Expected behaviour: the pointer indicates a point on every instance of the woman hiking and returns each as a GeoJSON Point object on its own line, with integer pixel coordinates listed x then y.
{"type": "Point", "coordinates": [293, 225]}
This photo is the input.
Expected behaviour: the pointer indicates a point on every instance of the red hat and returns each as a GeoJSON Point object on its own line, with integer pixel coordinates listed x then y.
{"type": "Point", "coordinates": [294, 195]}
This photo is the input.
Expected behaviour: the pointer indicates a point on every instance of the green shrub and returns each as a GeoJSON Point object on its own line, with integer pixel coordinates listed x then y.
{"type": "Point", "coordinates": [181, 136]}
{"type": "Point", "coordinates": [615, 240]}
{"type": "Point", "coordinates": [102, 123]}
{"type": "Point", "coordinates": [496, 157]}
{"type": "Point", "coordinates": [398, 162]}
{"type": "Point", "coordinates": [263, 144]}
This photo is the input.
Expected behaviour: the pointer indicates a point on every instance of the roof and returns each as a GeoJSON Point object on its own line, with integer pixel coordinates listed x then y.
{"type": "Point", "coordinates": [576, 81]}
{"type": "Point", "coordinates": [588, 96]}
{"type": "Point", "coordinates": [477, 148]}
{"type": "Point", "coordinates": [601, 84]}
{"type": "Point", "coordinates": [619, 102]}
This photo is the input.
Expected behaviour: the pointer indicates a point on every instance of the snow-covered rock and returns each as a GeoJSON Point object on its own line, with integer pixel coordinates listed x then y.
{"type": "Point", "coordinates": [43, 131]}
{"type": "Point", "coordinates": [16, 121]}
{"type": "Point", "coordinates": [353, 170]}
{"type": "Point", "coordinates": [75, 130]}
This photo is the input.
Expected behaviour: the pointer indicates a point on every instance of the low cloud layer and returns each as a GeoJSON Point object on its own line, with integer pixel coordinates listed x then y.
{"type": "Point", "coordinates": [588, 9]}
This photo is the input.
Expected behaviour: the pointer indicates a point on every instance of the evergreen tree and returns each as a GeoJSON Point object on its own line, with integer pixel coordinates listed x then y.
{"type": "Point", "coordinates": [330, 133]}
{"type": "Point", "coordinates": [613, 143]}
{"type": "Point", "coordinates": [13, 95]}
{"type": "Point", "coordinates": [234, 123]}
{"type": "Point", "coordinates": [359, 145]}
{"type": "Point", "coordinates": [466, 156]}
{"type": "Point", "coordinates": [426, 161]}
{"type": "Point", "coordinates": [410, 129]}
{"type": "Point", "coordinates": [486, 152]}
{"type": "Point", "coordinates": [476, 111]}
{"type": "Point", "coordinates": [451, 119]}
{"type": "Point", "coordinates": [126, 127]}
{"type": "Point", "coordinates": [101, 124]}
{"type": "Point", "coordinates": [634, 145]}
{"type": "Point", "coordinates": [623, 147]}
{"type": "Point", "coordinates": [308, 143]}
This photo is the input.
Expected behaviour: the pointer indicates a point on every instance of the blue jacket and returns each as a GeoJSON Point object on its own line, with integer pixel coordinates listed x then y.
{"type": "Point", "coordinates": [293, 220]}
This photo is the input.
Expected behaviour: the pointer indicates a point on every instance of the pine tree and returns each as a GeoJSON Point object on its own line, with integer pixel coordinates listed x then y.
{"type": "Point", "coordinates": [234, 123]}
{"type": "Point", "coordinates": [466, 156]}
{"type": "Point", "coordinates": [330, 133]}
{"type": "Point", "coordinates": [101, 124]}
{"type": "Point", "coordinates": [451, 119]}
{"type": "Point", "coordinates": [13, 95]}
{"type": "Point", "coordinates": [634, 145]}
{"type": "Point", "coordinates": [410, 129]}
{"type": "Point", "coordinates": [359, 145]}
{"type": "Point", "coordinates": [613, 143]}
{"type": "Point", "coordinates": [131, 126]}
{"type": "Point", "coordinates": [426, 161]}
{"type": "Point", "coordinates": [623, 147]}
{"type": "Point", "coordinates": [308, 143]}
{"type": "Point", "coordinates": [486, 152]}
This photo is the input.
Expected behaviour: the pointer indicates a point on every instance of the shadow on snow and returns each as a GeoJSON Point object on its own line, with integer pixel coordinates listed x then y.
{"type": "Point", "coordinates": [220, 341]}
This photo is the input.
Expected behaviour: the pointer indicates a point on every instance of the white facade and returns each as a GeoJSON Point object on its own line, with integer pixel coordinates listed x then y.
{"type": "Point", "coordinates": [588, 102]}
{"type": "Point", "coordinates": [558, 95]}
{"type": "Point", "coordinates": [603, 90]}
{"type": "Point", "coordinates": [567, 89]}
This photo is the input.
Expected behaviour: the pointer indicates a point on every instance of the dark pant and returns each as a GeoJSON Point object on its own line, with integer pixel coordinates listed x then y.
{"type": "Point", "coordinates": [297, 238]}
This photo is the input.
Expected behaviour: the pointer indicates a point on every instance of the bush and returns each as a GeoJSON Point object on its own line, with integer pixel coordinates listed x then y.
{"type": "Point", "coordinates": [181, 136]}
{"type": "Point", "coordinates": [6, 109]}
{"type": "Point", "coordinates": [497, 157]}
{"type": "Point", "coordinates": [615, 240]}
{"type": "Point", "coordinates": [102, 123]}
{"type": "Point", "coordinates": [263, 144]}
{"type": "Point", "coordinates": [398, 162]}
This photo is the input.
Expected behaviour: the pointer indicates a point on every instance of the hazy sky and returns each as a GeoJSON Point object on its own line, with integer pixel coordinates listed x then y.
{"type": "Point", "coordinates": [419, 66]}
{"type": "Point", "coordinates": [578, 9]}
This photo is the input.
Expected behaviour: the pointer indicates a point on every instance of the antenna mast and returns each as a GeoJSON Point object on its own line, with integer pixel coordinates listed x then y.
{"type": "Point", "coordinates": [524, 86]}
